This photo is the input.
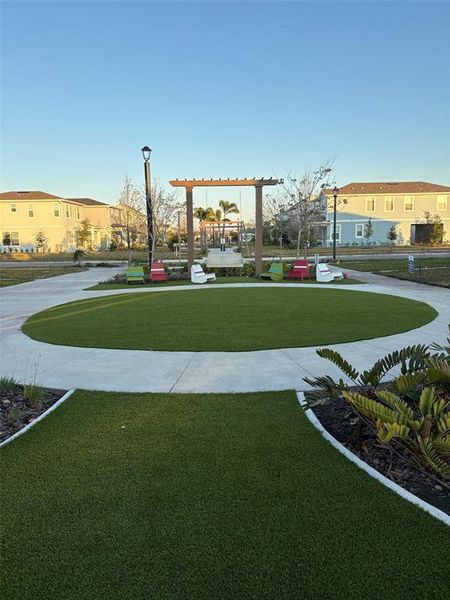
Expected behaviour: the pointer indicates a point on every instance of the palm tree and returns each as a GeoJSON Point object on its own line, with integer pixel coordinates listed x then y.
{"type": "Point", "coordinates": [203, 214]}
{"type": "Point", "coordinates": [228, 208]}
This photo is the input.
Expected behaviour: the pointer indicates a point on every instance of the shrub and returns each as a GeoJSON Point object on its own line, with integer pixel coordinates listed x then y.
{"type": "Point", "coordinates": [7, 384]}
{"type": "Point", "coordinates": [413, 408]}
{"type": "Point", "coordinates": [13, 415]}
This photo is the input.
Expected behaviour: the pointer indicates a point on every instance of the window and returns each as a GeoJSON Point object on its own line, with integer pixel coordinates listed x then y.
{"type": "Point", "coordinates": [78, 213]}
{"type": "Point", "coordinates": [389, 204]}
{"type": "Point", "coordinates": [56, 209]}
{"type": "Point", "coordinates": [359, 230]}
{"type": "Point", "coordinates": [67, 211]}
{"type": "Point", "coordinates": [338, 234]}
{"type": "Point", "coordinates": [30, 210]}
{"type": "Point", "coordinates": [10, 238]}
{"type": "Point", "coordinates": [13, 208]}
{"type": "Point", "coordinates": [370, 204]}
{"type": "Point", "coordinates": [409, 204]}
{"type": "Point", "coordinates": [441, 203]}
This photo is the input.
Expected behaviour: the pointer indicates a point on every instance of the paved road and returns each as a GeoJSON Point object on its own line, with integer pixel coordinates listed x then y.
{"type": "Point", "coordinates": [122, 263]}
{"type": "Point", "coordinates": [136, 370]}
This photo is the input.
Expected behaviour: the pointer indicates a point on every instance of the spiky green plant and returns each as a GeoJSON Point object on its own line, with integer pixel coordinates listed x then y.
{"type": "Point", "coordinates": [33, 395]}
{"type": "Point", "coordinates": [13, 415]}
{"type": "Point", "coordinates": [412, 362]}
{"type": "Point", "coordinates": [424, 429]}
{"type": "Point", "coordinates": [7, 384]}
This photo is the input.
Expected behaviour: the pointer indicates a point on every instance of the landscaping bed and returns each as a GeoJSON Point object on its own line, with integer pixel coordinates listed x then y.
{"type": "Point", "coordinates": [394, 462]}
{"type": "Point", "coordinates": [21, 405]}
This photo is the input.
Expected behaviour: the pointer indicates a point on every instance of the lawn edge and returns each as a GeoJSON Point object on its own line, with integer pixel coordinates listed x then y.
{"type": "Point", "coordinates": [412, 498]}
{"type": "Point", "coordinates": [37, 419]}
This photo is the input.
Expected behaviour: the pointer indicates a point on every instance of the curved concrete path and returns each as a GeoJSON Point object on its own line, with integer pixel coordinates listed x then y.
{"type": "Point", "coordinates": [68, 367]}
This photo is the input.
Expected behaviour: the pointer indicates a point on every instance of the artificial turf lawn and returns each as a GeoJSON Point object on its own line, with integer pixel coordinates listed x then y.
{"type": "Point", "coordinates": [200, 497]}
{"type": "Point", "coordinates": [234, 319]}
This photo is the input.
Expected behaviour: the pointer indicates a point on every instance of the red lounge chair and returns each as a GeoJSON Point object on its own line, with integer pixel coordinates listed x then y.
{"type": "Point", "coordinates": [157, 272]}
{"type": "Point", "coordinates": [300, 270]}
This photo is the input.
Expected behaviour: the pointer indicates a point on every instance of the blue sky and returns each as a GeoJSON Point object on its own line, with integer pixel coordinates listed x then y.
{"type": "Point", "coordinates": [222, 89]}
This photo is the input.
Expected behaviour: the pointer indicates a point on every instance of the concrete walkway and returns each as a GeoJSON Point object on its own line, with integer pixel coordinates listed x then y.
{"type": "Point", "coordinates": [138, 370]}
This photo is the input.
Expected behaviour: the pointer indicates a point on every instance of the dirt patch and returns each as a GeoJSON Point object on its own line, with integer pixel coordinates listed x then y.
{"type": "Point", "coordinates": [16, 411]}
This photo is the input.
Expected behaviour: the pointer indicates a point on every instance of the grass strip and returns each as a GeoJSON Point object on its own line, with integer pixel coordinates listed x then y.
{"type": "Point", "coordinates": [203, 496]}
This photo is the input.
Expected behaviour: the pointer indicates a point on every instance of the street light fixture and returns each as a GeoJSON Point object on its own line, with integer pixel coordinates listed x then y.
{"type": "Point", "coordinates": [335, 195]}
{"type": "Point", "coordinates": [146, 152]}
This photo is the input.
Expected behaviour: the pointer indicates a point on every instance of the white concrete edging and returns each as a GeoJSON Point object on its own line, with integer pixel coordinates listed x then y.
{"type": "Point", "coordinates": [432, 510]}
{"type": "Point", "coordinates": [37, 419]}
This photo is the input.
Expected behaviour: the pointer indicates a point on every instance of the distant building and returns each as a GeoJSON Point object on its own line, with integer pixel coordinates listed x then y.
{"type": "Point", "coordinates": [399, 204]}
{"type": "Point", "coordinates": [25, 213]}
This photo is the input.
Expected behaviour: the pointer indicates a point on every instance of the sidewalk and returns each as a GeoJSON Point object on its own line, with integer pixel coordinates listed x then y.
{"type": "Point", "coordinates": [68, 367]}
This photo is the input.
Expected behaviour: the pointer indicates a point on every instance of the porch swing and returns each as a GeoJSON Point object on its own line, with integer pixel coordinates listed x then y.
{"type": "Point", "coordinates": [221, 256]}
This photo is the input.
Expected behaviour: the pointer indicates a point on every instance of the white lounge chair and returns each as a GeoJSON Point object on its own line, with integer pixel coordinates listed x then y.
{"type": "Point", "coordinates": [198, 275]}
{"type": "Point", "coordinates": [324, 274]}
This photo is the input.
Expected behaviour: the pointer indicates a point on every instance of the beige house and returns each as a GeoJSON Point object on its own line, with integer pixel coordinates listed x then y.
{"type": "Point", "coordinates": [401, 205]}
{"type": "Point", "coordinates": [24, 214]}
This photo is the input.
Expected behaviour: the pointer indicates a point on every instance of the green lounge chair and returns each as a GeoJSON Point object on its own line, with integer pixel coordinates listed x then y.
{"type": "Point", "coordinates": [275, 273]}
{"type": "Point", "coordinates": [135, 275]}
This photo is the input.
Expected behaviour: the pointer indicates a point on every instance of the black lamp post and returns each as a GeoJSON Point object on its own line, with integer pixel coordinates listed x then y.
{"type": "Point", "coordinates": [335, 195]}
{"type": "Point", "coordinates": [146, 152]}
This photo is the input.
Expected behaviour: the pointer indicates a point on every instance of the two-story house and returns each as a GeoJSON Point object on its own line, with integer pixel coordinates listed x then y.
{"type": "Point", "coordinates": [399, 204]}
{"type": "Point", "coordinates": [23, 214]}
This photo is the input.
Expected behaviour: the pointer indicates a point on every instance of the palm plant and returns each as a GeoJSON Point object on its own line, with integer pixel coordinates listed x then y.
{"type": "Point", "coordinates": [414, 407]}
{"type": "Point", "coordinates": [227, 208]}
{"type": "Point", "coordinates": [203, 214]}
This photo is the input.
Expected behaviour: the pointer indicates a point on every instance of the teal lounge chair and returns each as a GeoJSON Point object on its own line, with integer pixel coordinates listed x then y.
{"type": "Point", "coordinates": [275, 273]}
{"type": "Point", "coordinates": [135, 275]}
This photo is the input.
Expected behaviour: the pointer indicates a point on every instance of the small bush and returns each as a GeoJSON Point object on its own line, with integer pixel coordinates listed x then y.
{"type": "Point", "coordinates": [33, 395]}
{"type": "Point", "coordinates": [13, 415]}
{"type": "Point", "coordinates": [7, 384]}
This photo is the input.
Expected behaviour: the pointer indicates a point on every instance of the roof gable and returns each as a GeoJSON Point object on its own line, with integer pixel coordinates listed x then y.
{"type": "Point", "coordinates": [391, 187]}
{"type": "Point", "coordinates": [28, 195]}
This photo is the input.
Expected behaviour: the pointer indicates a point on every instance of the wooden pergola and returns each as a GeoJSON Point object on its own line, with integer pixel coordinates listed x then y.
{"type": "Point", "coordinates": [258, 184]}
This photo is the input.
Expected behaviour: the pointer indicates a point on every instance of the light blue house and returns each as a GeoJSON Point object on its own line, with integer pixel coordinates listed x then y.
{"type": "Point", "coordinates": [389, 205]}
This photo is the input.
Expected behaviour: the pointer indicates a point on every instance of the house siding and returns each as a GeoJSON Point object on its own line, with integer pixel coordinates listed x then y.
{"type": "Point", "coordinates": [355, 211]}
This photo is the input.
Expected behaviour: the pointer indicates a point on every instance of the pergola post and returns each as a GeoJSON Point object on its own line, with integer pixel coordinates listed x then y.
{"type": "Point", "coordinates": [190, 227]}
{"type": "Point", "coordinates": [258, 229]}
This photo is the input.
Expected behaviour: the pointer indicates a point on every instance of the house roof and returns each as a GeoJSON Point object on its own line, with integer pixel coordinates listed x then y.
{"type": "Point", "coordinates": [24, 195]}
{"type": "Point", "coordinates": [391, 187]}
{"type": "Point", "coordinates": [87, 201]}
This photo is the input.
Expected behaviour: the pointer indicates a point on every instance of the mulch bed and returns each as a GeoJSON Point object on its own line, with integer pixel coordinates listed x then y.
{"type": "Point", "coordinates": [339, 419]}
{"type": "Point", "coordinates": [15, 398]}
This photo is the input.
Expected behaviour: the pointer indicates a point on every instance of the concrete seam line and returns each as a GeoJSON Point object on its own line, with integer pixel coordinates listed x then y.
{"type": "Point", "coordinates": [39, 418]}
{"type": "Point", "coordinates": [432, 510]}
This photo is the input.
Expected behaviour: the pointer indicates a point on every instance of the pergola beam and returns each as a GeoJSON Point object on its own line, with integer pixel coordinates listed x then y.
{"type": "Point", "coordinates": [190, 183]}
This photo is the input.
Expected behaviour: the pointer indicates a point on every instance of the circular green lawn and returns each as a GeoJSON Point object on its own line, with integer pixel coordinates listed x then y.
{"type": "Point", "coordinates": [233, 319]}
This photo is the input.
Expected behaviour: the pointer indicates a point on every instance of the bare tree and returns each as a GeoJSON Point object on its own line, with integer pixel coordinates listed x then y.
{"type": "Point", "coordinates": [129, 222]}
{"type": "Point", "coordinates": [166, 206]}
{"type": "Point", "coordinates": [300, 205]}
